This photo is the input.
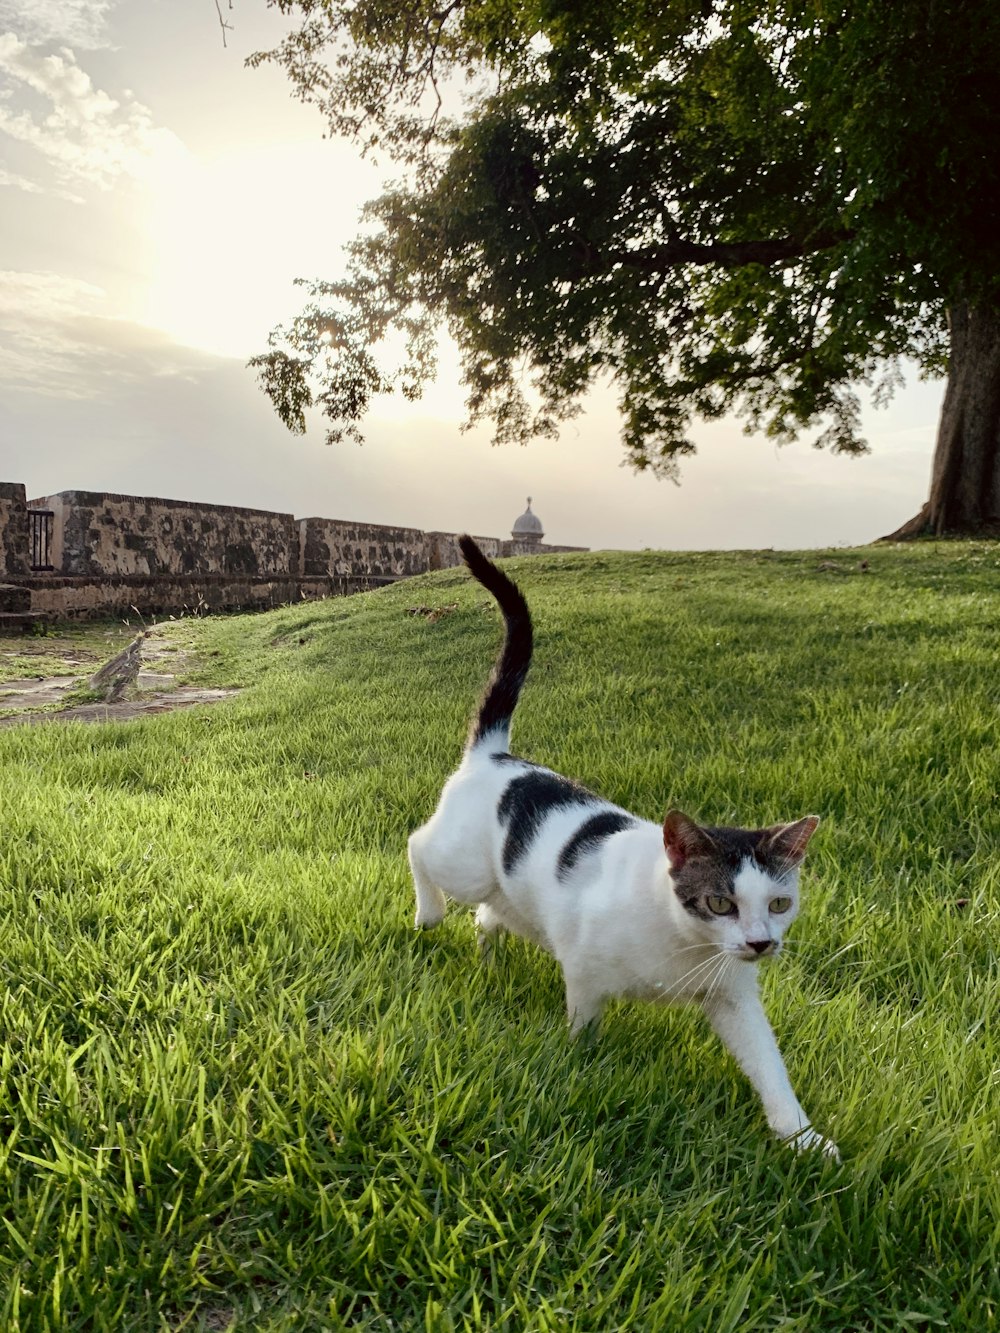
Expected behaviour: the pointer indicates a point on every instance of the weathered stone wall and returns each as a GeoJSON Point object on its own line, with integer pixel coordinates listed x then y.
{"type": "Point", "coordinates": [115, 554]}
{"type": "Point", "coordinates": [15, 543]}
{"type": "Point", "coordinates": [443, 552]}
{"type": "Point", "coordinates": [536, 548]}
{"type": "Point", "coordinates": [96, 534]}
{"type": "Point", "coordinates": [330, 546]}
{"type": "Point", "coordinates": [54, 597]}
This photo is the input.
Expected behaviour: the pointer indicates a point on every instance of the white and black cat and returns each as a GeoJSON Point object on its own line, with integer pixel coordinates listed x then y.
{"type": "Point", "coordinates": [678, 913]}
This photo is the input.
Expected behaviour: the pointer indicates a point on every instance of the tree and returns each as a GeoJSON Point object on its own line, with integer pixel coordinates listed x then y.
{"type": "Point", "coordinates": [718, 206]}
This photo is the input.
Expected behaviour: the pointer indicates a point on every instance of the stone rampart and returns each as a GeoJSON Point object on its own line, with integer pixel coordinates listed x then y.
{"type": "Point", "coordinates": [443, 552]}
{"type": "Point", "coordinates": [535, 548]}
{"type": "Point", "coordinates": [54, 597]}
{"type": "Point", "coordinates": [126, 554]}
{"type": "Point", "coordinates": [331, 546]}
{"type": "Point", "coordinates": [15, 541]}
{"type": "Point", "coordinates": [100, 535]}
{"type": "Point", "coordinates": [91, 597]}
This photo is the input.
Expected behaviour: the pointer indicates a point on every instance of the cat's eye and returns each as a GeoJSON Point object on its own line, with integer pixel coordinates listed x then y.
{"type": "Point", "coordinates": [779, 905]}
{"type": "Point", "coordinates": [720, 906]}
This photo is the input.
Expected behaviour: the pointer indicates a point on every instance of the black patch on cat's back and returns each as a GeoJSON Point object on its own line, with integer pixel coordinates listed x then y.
{"type": "Point", "coordinates": [526, 802]}
{"type": "Point", "coordinates": [589, 836]}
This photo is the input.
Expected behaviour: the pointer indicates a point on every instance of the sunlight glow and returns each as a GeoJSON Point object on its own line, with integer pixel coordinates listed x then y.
{"type": "Point", "coordinates": [229, 237]}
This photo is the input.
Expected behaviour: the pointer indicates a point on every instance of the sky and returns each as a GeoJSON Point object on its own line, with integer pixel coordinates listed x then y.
{"type": "Point", "coordinates": [157, 201]}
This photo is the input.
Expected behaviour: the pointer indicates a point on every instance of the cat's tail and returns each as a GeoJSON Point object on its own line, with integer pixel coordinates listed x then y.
{"type": "Point", "coordinates": [491, 726]}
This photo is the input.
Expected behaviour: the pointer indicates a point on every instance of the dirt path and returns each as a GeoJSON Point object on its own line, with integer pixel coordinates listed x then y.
{"type": "Point", "coordinates": [66, 660]}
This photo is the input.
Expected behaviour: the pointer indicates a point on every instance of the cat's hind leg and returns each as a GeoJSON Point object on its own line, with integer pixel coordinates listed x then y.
{"type": "Point", "coordinates": [431, 902]}
{"type": "Point", "coordinates": [488, 926]}
{"type": "Point", "coordinates": [448, 856]}
{"type": "Point", "coordinates": [584, 1005]}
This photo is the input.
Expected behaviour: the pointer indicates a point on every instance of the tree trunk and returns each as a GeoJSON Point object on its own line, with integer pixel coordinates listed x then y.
{"type": "Point", "coordinates": [965, 475]}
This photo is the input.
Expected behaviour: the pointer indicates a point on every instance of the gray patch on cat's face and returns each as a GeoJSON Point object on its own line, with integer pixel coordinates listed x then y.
{"type": "Point", "coordinates": [715, 873]}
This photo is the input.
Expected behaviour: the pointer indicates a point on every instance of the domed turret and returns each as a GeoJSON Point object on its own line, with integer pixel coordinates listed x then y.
{"type": "Point", "coordinates": [527, 528]}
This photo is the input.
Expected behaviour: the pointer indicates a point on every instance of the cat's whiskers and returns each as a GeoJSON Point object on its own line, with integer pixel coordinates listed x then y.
{"type": "Point", "coordinates": [716, 981]}
{"type": "Point", "coordinates": [672, 990]}
{"type": "Point", "coordinates": [705, 965]}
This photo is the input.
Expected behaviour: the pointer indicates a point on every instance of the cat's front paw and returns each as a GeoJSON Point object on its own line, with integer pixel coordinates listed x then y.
{"type": "Point", "coordinates": [808, 1140]}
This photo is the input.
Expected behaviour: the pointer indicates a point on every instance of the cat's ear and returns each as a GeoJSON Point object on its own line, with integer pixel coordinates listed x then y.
{"type": "Point", "coordinates": [683, 839]}
{"type": "Point", "coordinates": [787, 842]}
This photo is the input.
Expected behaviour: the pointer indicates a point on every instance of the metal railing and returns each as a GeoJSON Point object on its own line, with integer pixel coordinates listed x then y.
{"type": "Point", "coordinates": [41, 539]}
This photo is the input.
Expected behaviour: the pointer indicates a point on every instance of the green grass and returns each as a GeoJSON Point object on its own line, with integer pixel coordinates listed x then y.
{"type": "Point", "coordinates": [75, 649]}
{"type": "Point", "coordinates": [239, 1091]}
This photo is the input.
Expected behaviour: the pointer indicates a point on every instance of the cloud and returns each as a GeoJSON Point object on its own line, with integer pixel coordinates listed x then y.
{"type": "Point", "coordinates": [58, 340]}
{"type": "Point", "coordinates": [84, 135]}
{"type": "Point", "coordinates": [80, 23]}
{"type": "Point", "coordinates": [19, 182]}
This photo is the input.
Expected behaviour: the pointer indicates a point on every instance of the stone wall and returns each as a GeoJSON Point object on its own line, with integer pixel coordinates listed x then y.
{"type": "Point", "coordinates": [55, 597]}
{"type": "Point", "coordinates": [111, 536]}
{"type": "Point", "coordinates": [15, 541]}
{"type": "Point", "coordinates": [536, 548]}
{"type": "Point", "coordinates": [330, 546]}
{"type": "Point", "coordinates": [443, 552]}
{"type": "Point", "coordinates": [126, 554]}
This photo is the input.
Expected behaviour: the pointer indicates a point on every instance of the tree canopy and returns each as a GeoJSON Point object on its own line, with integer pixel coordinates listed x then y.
{"type": "Point", "coordinates": [716, 206]}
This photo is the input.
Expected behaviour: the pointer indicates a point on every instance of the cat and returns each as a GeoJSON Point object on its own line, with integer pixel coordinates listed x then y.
{"type": "Point", "coordinates": [629, 908]}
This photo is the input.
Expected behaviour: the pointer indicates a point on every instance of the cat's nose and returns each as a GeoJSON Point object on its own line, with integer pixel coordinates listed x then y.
{"type": "Point", "coordinates": [759, 946]}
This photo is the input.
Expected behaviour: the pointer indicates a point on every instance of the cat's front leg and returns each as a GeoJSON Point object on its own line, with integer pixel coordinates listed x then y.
{"type": "Point", "coordinates": [742, 1024]}
{"type": "Point", "coordinates": [584, 1005]}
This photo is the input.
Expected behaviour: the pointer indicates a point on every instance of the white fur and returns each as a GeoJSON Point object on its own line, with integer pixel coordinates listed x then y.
{"type": "Point", "coordinates": [614, 923]}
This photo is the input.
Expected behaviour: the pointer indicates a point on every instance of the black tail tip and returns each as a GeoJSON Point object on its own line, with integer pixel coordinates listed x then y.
{"type": "Point", "coordinates": [469, 548]}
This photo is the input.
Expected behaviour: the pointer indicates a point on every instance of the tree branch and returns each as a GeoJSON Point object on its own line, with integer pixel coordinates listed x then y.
{"type": "Point", "coordinates": [226, 27]}
{"type": "Point", "coordinates": [726, 254]}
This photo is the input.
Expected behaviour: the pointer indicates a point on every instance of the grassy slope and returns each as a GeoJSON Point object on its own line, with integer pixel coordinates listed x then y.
{"type": "Point", "coordinates": [237, 1085]}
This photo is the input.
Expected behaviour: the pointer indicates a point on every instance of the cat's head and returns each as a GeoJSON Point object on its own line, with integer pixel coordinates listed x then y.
{"type": "Point", "coordinates": [739, 887]}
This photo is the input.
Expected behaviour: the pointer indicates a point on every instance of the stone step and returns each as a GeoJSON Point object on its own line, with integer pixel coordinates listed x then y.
{"type": "Point", "coordinates": [16, 620]}
{"type": "Point", "coordinates": [14, 598]}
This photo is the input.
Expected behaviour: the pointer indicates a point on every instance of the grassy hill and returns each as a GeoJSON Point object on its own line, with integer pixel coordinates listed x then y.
{"type": "Point", "coordinates": [239, 1091]}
